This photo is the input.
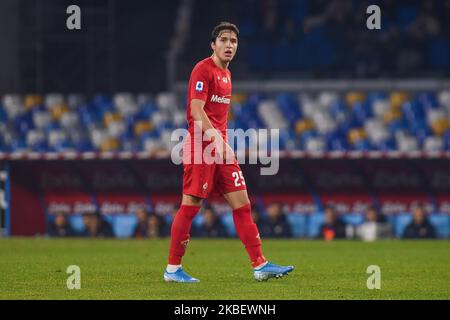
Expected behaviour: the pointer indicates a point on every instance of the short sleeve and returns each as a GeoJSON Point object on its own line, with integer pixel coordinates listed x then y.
{"type": "Point", "coordinates": [199, 83]}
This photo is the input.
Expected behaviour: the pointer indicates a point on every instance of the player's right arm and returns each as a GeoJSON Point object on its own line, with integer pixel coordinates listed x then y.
{"type": "Point", "coordinates": [199, 89]}
{"type": "Point", "coordinates": [199, 116]}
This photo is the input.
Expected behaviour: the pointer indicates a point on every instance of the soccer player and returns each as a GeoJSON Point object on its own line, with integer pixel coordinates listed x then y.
{"type": "Point", "coordinates": [209, 95]}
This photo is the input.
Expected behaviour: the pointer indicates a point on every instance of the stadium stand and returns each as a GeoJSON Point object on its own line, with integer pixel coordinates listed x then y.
{"type": "Point", "coordinates": [377, 121]}
{"type": "Point", "coordinates": [324, 39]}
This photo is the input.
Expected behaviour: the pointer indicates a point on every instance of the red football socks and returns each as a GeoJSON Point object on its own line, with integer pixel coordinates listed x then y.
{"type": "Point", "coordinates": [249, 234]}
{"type": "Point", "coordinates": [181, 227]}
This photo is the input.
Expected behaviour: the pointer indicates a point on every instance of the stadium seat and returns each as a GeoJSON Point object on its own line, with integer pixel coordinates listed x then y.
{"type": "Point", "coordinates": [123, 225]}
{"type": "Point", "coordinates": [198, 220]}
{"type": "Point", "coordinates": [401, 222]}
{"type": "Point", "coordinates": [227, 220]}
{"type": "Point", "coordinates": [353, 218]}
{"type": "Point", "coordinates": [298, 224]}
{"type": "Point", "coordinates": [438, 53]}
{"type": "Point", "coordinates": [441, 222]}
{"type": "Point", "coordinates": [315, 221]}
{"type": "Point", "coordinates": [76, 222]}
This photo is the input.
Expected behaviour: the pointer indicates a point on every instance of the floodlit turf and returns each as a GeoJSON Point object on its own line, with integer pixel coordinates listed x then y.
{"type": "Point", "coordinates": [133, 269]}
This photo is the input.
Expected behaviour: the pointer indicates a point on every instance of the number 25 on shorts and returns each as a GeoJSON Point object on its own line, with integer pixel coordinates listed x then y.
{"type": "Point", "coordinates": [238, 178]}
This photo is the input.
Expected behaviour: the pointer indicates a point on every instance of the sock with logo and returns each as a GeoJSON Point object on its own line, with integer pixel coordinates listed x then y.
{"type": "Point", "coordinates": [249, 234]}
{"type": "Point", "coordinates": [181, 227]}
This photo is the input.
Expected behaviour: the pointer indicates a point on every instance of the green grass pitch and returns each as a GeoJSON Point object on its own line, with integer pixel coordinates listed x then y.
{"type": "Point", "coordinates": [132, 269]}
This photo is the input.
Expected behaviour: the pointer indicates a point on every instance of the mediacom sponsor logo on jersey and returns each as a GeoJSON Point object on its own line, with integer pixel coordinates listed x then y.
{"type": "Point", "coordinates": [216, 98]}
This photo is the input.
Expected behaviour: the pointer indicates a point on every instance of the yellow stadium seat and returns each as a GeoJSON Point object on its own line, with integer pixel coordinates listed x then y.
{"type": "Point", "coordinates": [142, 126]}
{"type": "Point", "coordinates": [32, 100]}
{"type": "Point", "coordinates": [391, 115]}
{"type": "Point", "coordinates": [303, 125]}
{"type": "Point", "coordinates": [440, 126]}
{"type": "Point", "coordinates": [356, 134]}
{"type": "Point", "coordinates": [238, 98]}
{"type": "Point", "coordinates": [58, 110]}
{"type": "Point", "coordinates": [353, 97]}
{"type": "Point", "coordinates": [110, 117]}
{"type": "Point", "coordinates": [109, 144]}
{"type": "Point", "coordinates": [397, 98]}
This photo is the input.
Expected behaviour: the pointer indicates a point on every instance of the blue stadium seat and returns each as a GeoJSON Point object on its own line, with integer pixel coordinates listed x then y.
{"type": "Point", "coordinates": [401, 221]}
{"type": "Point", "coordinates": [325, 53]}
{"type": "Point", "coordinates": [296, 10]}
{"type": "Point", "coordinates": [406, 15]}
{"type": "Point", "coordinates": [387, 145]}
{"type": "Point", "coordinates": [40, 147]}
{"type": "Point", "coordinates": [18, 145]}
{"type": "Point", "coordinates": [76, 222]}
{"type": "Point", "coordinates": [391, 219]}
{"type": "Point", "coordinates": [413, 111]}
{"type": "Point", "coordinates": [168, 219]}
{"type": "Point", "coordinates": [375, 96]}
{"type": "Point", "coordinates": [227, 220]}
{"type": "Point", "coordinates": [438, 53]}
{"type": "Point", "coordinates": [362, 145]}
{"type": "Point", "coordinates": [298, 224]}
{"type": "Point", "coordinates": [447, 140]}
{"type": "Point", "coordinates": [421, 130]}
{"type": "Point", "coordinates": [103, 102]}
{"type": "Point", "coordinates": [24, 123]}
{"type": "Point", "coordinates": [84, 145]}
{"type": "Point", "coordinates": [260, 54]}
{"type": "Point", "coordinates": [289, 107]}
{"type": "Point", "coordinates": [315, 221]}
{"type": "Point", "coordinates": [303, 56]}
{"type": "Point", "coordinates": [3, 115]}
{"type": "Point", "coordinates": [361, 111]}
{"type": "Point", "coordinates": [247, 28]}
{"type": "Point", "coordinates": [309, 134]}
{"type": "Point", "coordinates": [62, 145]}
{"type": "Point", "coordinates": [109, 218]}
{"type": "Point", "coordinates": [123, 225]}
{"type": "Point", "coordinates": [353, 218]}
{"type": "Point", "coordinates": [441, 222]}
{"type": "Point", "coordinates": [396, 125]}
{"type": "Point", "coordinates": [198, 220]}
{"type": "Point", "coordinates": [337, 144]}
{"type": "Point", "coordinates": [280, 57]}
{"type": "Point", "coordinates": [428, 99]}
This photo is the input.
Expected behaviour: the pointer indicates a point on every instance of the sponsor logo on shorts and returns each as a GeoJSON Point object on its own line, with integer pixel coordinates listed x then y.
{"type": "Point", "coordinates": [205, 186]}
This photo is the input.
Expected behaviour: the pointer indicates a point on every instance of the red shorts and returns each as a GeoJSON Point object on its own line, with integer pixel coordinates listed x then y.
{"type": "Point", "coordinates": [203, 180]}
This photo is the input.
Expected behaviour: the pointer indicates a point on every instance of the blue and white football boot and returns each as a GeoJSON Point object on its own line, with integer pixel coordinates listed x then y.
{"type": "Point", "coordinates": [179, 276]}
{"type": "Point", "coordinates": [270, 270]}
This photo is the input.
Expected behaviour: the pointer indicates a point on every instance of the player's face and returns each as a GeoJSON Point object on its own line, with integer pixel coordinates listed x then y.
{"type": "Point", "coordinates": [225, 45]}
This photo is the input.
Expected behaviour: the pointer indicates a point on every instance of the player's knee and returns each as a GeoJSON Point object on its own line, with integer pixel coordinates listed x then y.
{"type": "Point", "coordinates": [239, 201]}
{"type": "Point", "coordinates": [189, 200]}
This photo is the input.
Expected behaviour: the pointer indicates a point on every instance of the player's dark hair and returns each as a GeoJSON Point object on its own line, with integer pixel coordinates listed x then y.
{"type": "Point", "coordinates": [223, 26]}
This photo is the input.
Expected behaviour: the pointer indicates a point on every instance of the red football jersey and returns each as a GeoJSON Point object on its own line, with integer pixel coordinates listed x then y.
{"type": "Point", "coordinates": [211, 84]}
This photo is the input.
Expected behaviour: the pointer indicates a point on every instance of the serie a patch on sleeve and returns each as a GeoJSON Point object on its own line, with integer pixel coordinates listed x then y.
{"type": "Point", "coordinates": [199, 86]}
